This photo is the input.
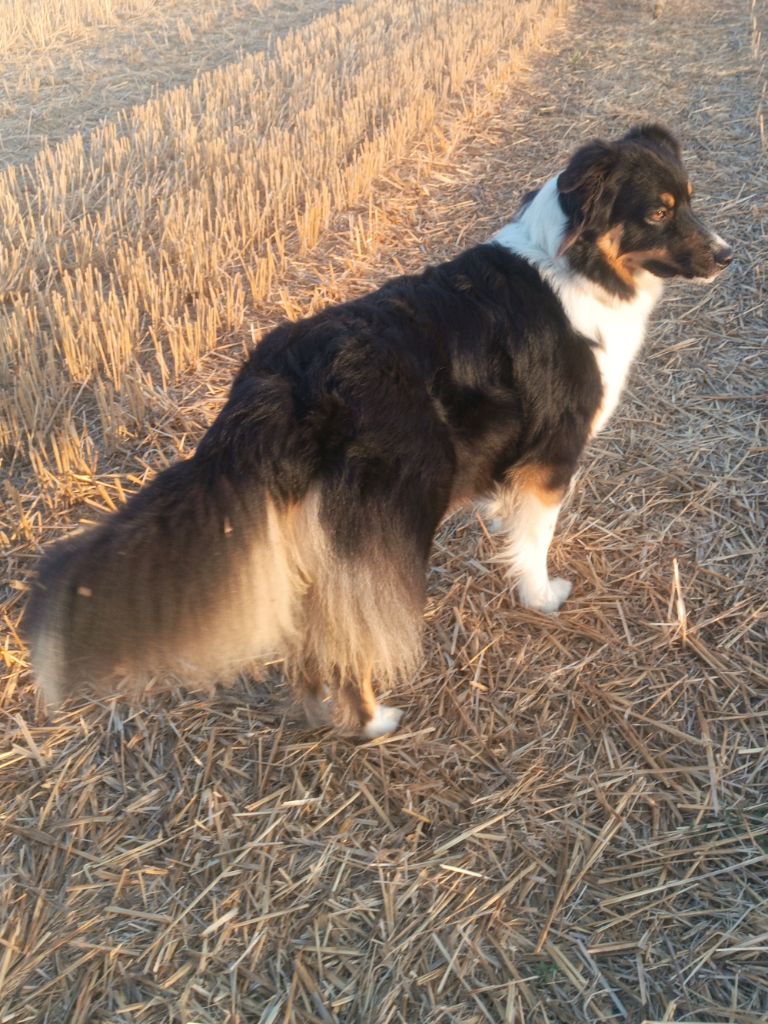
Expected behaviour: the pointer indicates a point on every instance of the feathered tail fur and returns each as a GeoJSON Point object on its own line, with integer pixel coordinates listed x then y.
{"type": "Point", "coordinates": [201, 576]}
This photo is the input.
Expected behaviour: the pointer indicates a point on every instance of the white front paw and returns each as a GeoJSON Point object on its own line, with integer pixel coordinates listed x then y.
{"type": "Point", "coordinates": [385, 719]}
{"type": "Point", "coordinates": [544, 599]}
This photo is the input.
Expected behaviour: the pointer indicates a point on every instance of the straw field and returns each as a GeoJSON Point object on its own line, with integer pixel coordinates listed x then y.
{"type": "Point", "coordinates": [572, 824]}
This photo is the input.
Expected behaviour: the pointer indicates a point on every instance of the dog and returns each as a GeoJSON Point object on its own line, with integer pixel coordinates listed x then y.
{"type": "Point", "coordinates": [301, 527]}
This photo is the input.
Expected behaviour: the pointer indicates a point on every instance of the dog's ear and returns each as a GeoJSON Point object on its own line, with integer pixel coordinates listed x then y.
{"type": "Point", "coordinates": [588, 166]}
{"type": "Point", "coordinates": [657, 135]}
{"type": "Point", "coordinates": [582, 186]}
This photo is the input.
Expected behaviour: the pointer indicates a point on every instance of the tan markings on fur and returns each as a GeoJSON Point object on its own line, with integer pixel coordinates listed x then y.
{"type": "Point", "coordinates": [609, 246]}
{"type": "Point", "coordinates": [536, 478]}
{"type": "Point", "coordinates": [355, 703]}
{"type": "Point", "coordinates": [668, 199]}
{"type": "Point", "coordinates": [628, 264]}
{"type": "Point", "coordinates": [633, 261]}
{"type": "Point", "coordinates": [690, 190]}
{"type": "Point", "coordinates": [597, 421]}
{"type": "Point", "coordinates": [467, 484]}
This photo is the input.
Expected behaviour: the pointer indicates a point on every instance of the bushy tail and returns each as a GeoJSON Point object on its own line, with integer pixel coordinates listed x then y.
{"type": "Point", "coordinates": [195, 575]}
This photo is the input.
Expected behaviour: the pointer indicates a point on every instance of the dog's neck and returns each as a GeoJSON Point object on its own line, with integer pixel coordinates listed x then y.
{"type": "Point", "coordinates": [616, 325]}
{"type": "Point", "coordinates": [537, 234]}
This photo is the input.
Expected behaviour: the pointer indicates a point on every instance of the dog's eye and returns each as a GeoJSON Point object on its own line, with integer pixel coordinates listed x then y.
{"type": "Point", "coordinates": [658, 215]}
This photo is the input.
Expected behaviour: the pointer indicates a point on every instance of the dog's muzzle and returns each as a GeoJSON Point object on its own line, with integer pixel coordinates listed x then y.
{"type": "Point", "coordinates": [723, 255]}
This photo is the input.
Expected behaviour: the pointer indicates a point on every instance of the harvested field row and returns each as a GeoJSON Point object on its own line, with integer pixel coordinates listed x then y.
{"type": "Point", "coordinates": [41, 25]}
{"type": "Point", "coordinates": [84, 74]}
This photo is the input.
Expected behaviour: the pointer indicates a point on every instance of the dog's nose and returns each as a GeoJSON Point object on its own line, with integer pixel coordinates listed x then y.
{"type": "Point", "coordinates": [723, 255]}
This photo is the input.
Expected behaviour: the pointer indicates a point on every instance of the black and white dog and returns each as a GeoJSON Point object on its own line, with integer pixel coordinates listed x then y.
{"type": "Point", "coordinates": [301, 527]}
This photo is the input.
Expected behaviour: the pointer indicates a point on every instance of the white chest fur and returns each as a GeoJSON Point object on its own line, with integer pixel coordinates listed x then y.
{"type": "Point", "coordinates": [616, 326]}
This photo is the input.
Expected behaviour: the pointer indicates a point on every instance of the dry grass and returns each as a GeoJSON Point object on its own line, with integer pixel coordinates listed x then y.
{"type": "Point", "coordinates": [38, 26]}
{"type": "Point", "coordinates": [572, 825]}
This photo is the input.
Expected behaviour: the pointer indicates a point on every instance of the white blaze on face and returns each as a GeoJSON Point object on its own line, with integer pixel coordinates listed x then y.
{"type": "Point", "coordinates": [718, 243]}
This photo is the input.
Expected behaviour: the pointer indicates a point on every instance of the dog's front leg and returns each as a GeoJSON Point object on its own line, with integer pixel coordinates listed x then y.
{"type": "Point", "coordinates": [526, 513]}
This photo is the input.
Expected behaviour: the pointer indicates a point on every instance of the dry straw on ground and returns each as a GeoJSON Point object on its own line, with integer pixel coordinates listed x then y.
{"type": "Point", "coordinates": [38, 26]}
{"type": "Point", "coordinates": [571, 826]}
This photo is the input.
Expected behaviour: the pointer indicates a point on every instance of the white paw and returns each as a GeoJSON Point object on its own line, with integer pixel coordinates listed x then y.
{"type": "Point", "coordinates": [385, 720]}
{"type": "Point", "coordinates": [545, 600]}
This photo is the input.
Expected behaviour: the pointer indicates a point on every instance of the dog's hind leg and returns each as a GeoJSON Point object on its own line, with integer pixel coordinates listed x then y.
{"type": "Point", "coordinates": [313, 695]}
{"type": "Point", "coordinates": [357, 711]}
{"type": "Point", "coordinates": [362, 620]}
{"type": "Point", "coordinates": [349, 704]}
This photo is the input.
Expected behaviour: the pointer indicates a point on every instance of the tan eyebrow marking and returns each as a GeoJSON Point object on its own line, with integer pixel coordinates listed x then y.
{"type": "Point", "coordinates": [668, 199]}
{"type": "Point", "coordinates": [690, 190]}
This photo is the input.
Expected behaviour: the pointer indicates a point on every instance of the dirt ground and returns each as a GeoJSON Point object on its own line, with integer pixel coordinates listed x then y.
{"type": "Point", "coordinates": [572, 824]}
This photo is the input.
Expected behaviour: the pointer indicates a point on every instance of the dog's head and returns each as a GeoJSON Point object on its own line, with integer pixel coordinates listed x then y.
{"type": "Point", "coordinates": [628, 205]}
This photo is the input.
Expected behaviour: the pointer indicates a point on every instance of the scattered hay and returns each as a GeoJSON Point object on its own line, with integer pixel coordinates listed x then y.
{"type": "Point", "coordinates": [40, 25]}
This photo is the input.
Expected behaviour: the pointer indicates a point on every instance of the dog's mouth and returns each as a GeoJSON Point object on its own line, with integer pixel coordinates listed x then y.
{"type": "Point", "coordinates": [702, 267]}
{"type": "Point", "coordinates": [722, 257]}
{"type": "Point", "coordinates": [706, 279]}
